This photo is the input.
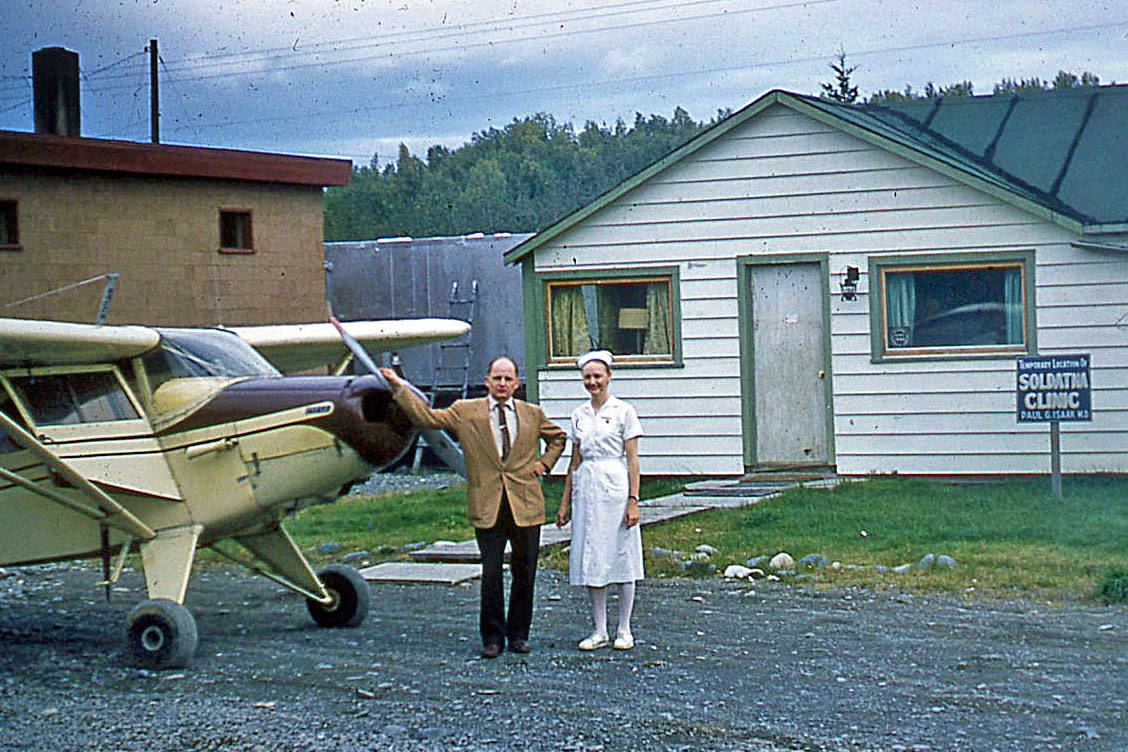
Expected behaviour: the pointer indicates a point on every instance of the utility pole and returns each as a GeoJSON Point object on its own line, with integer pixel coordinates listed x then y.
{"type": "Point", "coordinates": [154, 96]}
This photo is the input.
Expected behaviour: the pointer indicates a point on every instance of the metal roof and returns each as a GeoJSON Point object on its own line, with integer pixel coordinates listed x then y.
{"type": "Point", "coordinates": [1051, 146]}
{"type": "Point", "coordinates": [1047, 152]}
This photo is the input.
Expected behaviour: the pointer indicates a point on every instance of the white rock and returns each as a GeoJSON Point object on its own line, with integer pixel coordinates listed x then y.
{"type": "Point", "coordinates": [754, 573]}
{"type": "Point", "coordinates": [782, 560]}
{"type": "Point", "coordinates": [706, 549]}
{"type": "Point", "coordinates": [735, 571]}
{"type": "Point", "coordinates": [901, 569]}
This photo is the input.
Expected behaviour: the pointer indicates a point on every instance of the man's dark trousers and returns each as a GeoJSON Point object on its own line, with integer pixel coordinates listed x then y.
{"type": "Point", "coordinates": [525, 545]}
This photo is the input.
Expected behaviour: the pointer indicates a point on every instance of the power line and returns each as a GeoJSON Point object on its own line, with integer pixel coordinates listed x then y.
{"type": "Point", "coordinates": [437, 34]}
{"type": "Point", "coordinates": [87, 75]}
{"type": "Point", "coordinates": [182, 101]}
{"type": "Point", "coordinates": [660, 76]}
{"type": "Point", "coordinates": [445, 32]}
{"type": "Point", "coordinates": [495, 42]}
{"type": "Point", "coordinates": [203, 62]}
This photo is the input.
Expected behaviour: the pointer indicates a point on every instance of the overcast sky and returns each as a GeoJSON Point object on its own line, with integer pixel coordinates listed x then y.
{"type": "Point", "coordinates": [354, 78]}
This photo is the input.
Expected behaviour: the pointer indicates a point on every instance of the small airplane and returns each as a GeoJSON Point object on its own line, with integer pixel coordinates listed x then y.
{"type": "Point", "coordinates": [162, 440]}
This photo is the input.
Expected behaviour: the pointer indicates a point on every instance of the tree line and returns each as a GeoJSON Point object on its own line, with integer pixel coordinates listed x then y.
{"type": "Point", "coordinates": [843, 88]}
{"type": "Point", "coordinates": [520, 178]}
{"type": "Point", "coordinates": [534, 171]}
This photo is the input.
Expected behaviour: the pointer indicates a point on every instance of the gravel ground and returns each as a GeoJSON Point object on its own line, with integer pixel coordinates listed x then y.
{"type": "Point", "coordinates": [403, 480]}
{"type": "Point", "coordinates": [718, 666]}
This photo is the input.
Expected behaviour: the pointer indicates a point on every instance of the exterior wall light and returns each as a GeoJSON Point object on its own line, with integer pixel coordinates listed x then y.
{"type": "Point", "coordinates": [849, 283]}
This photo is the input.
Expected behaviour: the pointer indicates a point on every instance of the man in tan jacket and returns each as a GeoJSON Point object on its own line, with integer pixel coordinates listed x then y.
{"type": "Point", "coordinates": [500, 438]}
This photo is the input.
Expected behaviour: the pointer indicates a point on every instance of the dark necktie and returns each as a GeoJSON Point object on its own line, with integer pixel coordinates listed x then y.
{"type": "Point", "coordinates": [504, 432]}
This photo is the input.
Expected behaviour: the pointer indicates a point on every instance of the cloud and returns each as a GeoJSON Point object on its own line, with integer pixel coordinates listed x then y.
{"type": "Point", "coordinates": [350, 77]}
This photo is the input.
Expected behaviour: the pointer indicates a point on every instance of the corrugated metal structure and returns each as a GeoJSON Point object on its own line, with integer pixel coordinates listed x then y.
{"type": "Point", "coordinates": [412, 277]}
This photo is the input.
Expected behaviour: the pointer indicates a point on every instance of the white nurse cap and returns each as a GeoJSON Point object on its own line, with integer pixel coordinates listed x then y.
{"type": "Point", "coordinates": [603, 356]}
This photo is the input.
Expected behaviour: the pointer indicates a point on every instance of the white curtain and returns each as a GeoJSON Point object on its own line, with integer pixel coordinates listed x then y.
{"type": "Point", "coordinates": [1012, 299]}
{"type": "Point", "coordinates": [900, 309]}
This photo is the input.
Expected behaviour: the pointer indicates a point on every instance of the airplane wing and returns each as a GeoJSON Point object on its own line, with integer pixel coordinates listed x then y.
{"type": "Point", "coordinates": [30, 342]}
{"type": "Point", "coordinates": [300, 347]}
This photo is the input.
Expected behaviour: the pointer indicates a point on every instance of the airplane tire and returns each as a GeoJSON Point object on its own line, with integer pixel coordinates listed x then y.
{"type": "Point", "coordinates": [161, 634]}
{"type": "Point", "coordinates": [350, 598]}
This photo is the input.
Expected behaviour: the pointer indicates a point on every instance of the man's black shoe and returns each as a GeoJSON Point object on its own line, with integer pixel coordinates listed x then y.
{"type": "Point", "coordinates": [491, 651]}
{"type": "Point", "coordinates": [517, 645]}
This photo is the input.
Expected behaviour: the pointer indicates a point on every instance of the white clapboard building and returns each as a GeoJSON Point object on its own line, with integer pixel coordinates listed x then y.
{"type": "Point", "coordinates": [809, 283]}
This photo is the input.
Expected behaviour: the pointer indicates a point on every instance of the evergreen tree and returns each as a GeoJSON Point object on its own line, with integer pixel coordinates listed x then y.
{"type": "Point", "coordinates": [841, 89]}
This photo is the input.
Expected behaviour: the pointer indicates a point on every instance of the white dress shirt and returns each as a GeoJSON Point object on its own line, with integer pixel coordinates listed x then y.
{"type": "Point", "coordinates": [495, 424]}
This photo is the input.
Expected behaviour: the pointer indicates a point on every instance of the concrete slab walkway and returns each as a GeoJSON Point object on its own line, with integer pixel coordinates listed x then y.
{"type": "Point", "coordinates": [414, 571]}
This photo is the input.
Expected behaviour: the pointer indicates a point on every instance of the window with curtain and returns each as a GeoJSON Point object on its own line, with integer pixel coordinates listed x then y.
{"type": "Point", "coordinates": [953, 308]}
{"type": "Point", "coordinates": [633, 318]}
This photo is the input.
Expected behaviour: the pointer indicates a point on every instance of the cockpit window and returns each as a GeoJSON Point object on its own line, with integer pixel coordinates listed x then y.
{"type": "Point", "coordinates": [68, 398]}
{"type": "Point", "coordinates": [188, 353]}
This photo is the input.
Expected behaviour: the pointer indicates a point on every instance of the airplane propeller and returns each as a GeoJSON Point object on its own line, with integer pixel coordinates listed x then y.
{"type": "Point", "coordinates": [436, 439]}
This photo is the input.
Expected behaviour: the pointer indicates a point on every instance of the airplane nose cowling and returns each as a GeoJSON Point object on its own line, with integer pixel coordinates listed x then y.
{"type": "Point", "coordinates": [364, 416]}
{"type": "Point", "coordinates": [369, 421]}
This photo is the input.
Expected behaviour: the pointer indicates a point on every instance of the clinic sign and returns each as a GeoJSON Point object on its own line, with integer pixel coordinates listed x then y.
{"type": "Point", "coordinates": [1053, 388]}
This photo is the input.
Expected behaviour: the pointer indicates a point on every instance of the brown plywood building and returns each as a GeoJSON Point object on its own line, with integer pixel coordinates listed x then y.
{"type": "Point", "coordinates": [199, 236]}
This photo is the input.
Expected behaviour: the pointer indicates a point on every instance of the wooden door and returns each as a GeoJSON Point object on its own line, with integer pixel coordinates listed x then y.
{"type": "Point", "coordinates": [789, 359]}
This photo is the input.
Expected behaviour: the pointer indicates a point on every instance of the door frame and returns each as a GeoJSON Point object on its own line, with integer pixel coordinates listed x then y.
{"type": "Point", "coordinates": [744, 266]}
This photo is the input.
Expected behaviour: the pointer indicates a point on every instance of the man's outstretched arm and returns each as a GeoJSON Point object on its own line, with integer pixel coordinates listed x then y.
{"type": "Point", "coordinates": [412, 402]}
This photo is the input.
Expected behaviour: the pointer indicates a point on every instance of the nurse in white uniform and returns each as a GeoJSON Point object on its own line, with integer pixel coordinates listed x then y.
{"type": "Point", "coordinates": [601, 497]}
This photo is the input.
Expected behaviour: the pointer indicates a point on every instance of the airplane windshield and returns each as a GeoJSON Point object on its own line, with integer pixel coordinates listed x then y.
{"type": "Point", "coordinates": [191, 353]}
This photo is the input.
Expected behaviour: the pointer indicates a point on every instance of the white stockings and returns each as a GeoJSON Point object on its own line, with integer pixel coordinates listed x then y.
{"type": "Point", "coordinates": [598, 597]}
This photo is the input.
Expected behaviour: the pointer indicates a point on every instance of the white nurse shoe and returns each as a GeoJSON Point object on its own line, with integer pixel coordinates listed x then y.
{"type": "Point", "coordinates": [594, 642]}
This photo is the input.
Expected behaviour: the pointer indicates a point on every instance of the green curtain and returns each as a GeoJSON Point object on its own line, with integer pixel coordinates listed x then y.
{"type": "Point", "coordinates": [1012, 300]}
{"type": "Point", "coordinates": [658, 335]}
{"type": "Point", "coordinates": [900, 309]}
{"type": "Point", "coordinates": [570, 333]}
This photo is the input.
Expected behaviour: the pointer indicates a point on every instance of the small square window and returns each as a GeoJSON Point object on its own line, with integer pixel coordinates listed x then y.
{"type": "Point", "coordinates": [9, 223]}
{"type": "Point", "coordinates": [235, 231]}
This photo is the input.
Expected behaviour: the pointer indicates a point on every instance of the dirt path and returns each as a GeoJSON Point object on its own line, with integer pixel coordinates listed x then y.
{"type": "Point", "coordinates": [718, 666]}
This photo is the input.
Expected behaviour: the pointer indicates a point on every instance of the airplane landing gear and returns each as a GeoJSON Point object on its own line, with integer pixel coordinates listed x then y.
{"type": "Point", "coordinates": [350, 598]}
{"type": "Point", "coordinates": [161, 634]}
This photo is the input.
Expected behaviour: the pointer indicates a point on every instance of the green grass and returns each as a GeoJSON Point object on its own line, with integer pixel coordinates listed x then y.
{"type": "Point", "coordinates": [1010, 539]}
{"type": "Point", "coordinates": [383, 525]}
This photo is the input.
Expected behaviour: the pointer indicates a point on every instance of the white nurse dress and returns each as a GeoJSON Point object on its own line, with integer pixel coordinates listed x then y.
{"type": "Point", "coordinates": [604, 550]}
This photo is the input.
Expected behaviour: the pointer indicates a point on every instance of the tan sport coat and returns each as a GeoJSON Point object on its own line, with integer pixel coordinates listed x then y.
{"type": "Point", "coordinates": [469, 420]}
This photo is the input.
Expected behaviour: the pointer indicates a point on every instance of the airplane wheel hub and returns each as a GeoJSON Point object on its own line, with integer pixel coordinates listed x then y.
{"type": "Point", "coordinates": [152, 638]}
